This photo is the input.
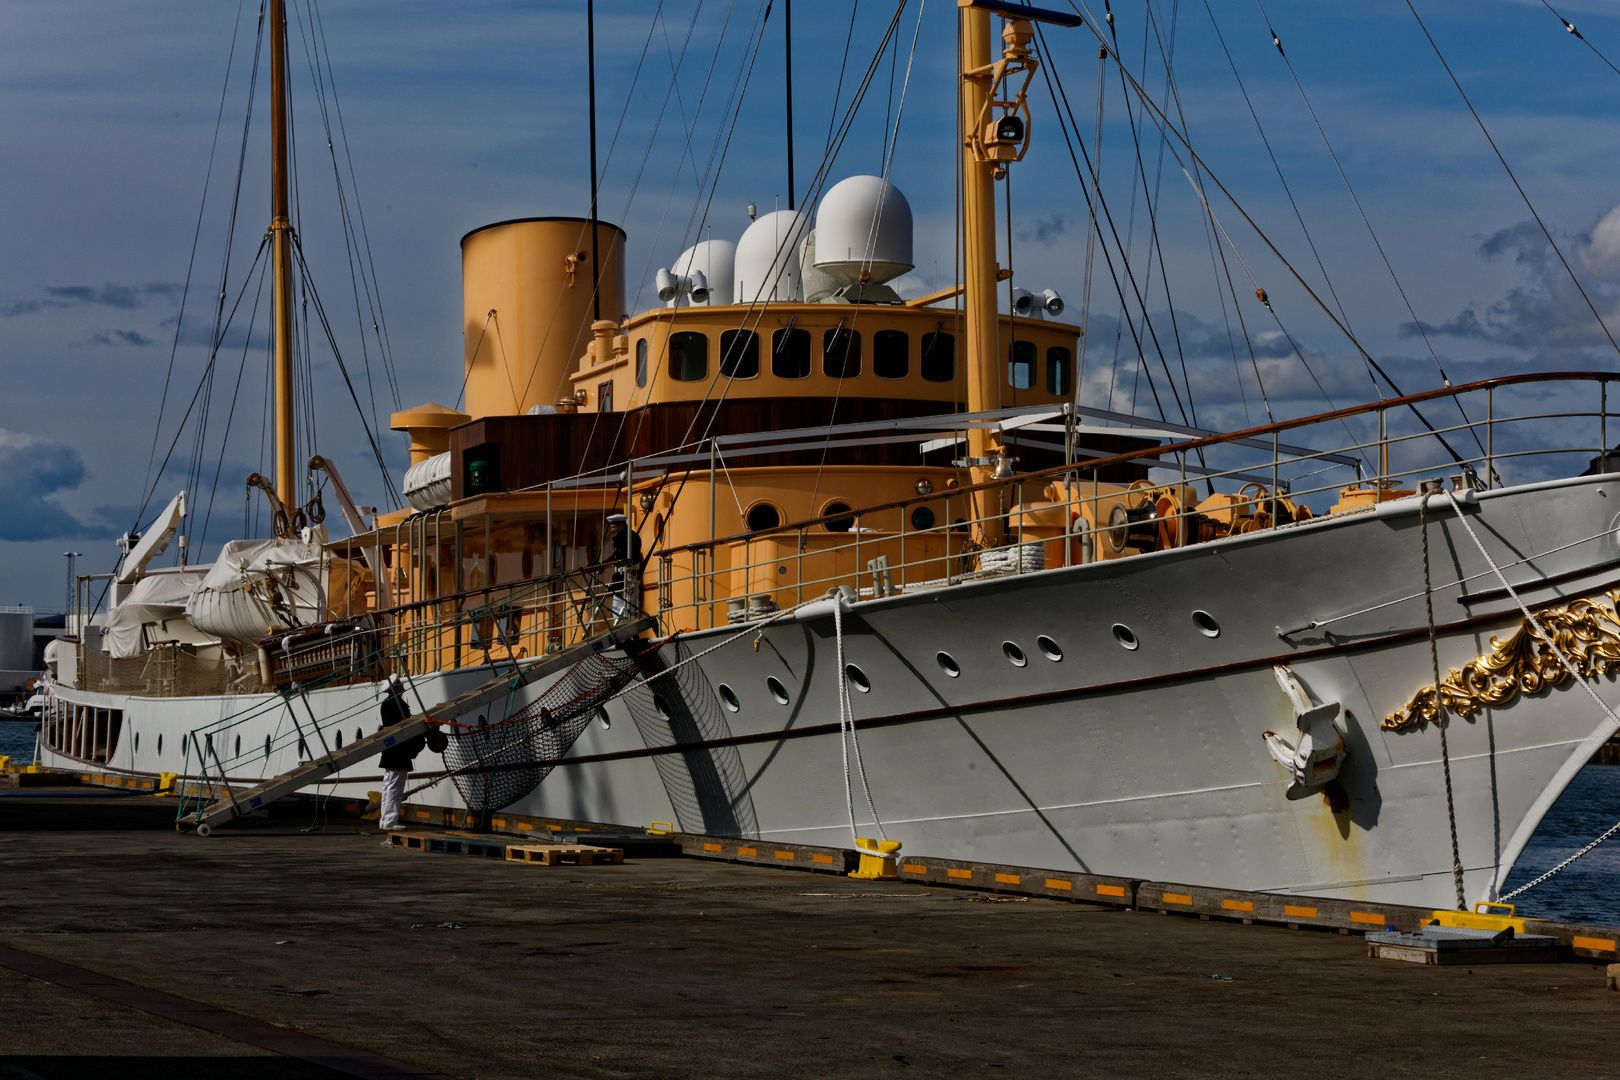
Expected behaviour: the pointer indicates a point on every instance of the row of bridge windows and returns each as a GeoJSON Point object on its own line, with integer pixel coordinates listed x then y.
{"type": "Point", "coordinates": [841, 357]}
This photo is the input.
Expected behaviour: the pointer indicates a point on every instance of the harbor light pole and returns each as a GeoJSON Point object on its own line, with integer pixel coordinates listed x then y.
{"type": "Point", "coordinates": [72, 589]}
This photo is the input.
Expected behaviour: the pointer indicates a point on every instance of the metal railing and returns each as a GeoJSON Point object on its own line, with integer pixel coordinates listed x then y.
{"type": "Point", "coordinates": [1200, 489]}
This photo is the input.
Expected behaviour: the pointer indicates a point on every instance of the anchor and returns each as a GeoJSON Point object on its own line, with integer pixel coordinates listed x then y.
{"type": "Point", "coordinates": [1315, 758]}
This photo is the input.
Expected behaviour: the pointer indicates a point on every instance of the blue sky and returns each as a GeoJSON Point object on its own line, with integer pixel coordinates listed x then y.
{"type": "Point", "coordinates": [459, 115]}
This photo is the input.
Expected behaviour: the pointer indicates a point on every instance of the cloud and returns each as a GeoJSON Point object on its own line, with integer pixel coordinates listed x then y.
{"type": "Point", "coordinates": [1044, 231]}
{"type": "Point", "coordinates": [111, 295]}
{"type": "Point", "coordinates": [33, 471]}
{"type": "Point", "coordinates": [1546, 313]}
{"type": "Point", "coordinates": [119, 337]}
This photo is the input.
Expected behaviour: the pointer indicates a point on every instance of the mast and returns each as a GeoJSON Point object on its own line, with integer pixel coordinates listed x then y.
{"type": "Point", "coordinates": [787, 56]}
{"type": "Point", "coordinates": [978, 236]}
{"type": "Point", "coordinates": [590, 62]}
{"type": "Point", "coordinates": [281, 256]}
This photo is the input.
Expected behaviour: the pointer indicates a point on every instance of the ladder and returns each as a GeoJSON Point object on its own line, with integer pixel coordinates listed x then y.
{"type": "Point", "coordinates": [238, 804]}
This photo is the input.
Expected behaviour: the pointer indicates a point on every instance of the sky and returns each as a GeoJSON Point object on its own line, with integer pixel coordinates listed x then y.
{"type": "Point", "coordinates": [118, 118]}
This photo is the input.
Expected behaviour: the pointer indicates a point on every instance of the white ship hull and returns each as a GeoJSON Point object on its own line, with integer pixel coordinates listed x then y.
{"type": "Point", "coordinates": [1144, 762]}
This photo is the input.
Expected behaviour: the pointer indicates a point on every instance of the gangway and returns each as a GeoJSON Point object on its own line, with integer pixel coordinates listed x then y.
{"type": "Point", "coordinates": [236, 804]}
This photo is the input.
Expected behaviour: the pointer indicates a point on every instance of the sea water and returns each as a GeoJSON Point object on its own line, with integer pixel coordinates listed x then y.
{"type": "Point", "coordinates": [1587, 892]}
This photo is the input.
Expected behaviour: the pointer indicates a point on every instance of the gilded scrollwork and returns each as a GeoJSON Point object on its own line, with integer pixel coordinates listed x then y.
{"type": "Point", "coordinates": [1588, 632]}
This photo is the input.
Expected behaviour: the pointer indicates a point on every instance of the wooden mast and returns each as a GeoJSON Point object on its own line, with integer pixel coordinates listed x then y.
{"type": "Point", "coordinates": [281, 254]}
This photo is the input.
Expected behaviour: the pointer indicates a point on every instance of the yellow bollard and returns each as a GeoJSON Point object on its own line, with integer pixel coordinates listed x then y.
{"type": "Point", "coordinates": [5, 763]}
{"type": "Point", "coordinates": [165, 784]}
{"type": "Point", "coordinates": [877, 860]}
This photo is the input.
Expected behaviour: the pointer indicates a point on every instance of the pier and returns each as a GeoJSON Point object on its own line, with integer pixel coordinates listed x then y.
{"type": "Point", "coordinates": [268, 951]}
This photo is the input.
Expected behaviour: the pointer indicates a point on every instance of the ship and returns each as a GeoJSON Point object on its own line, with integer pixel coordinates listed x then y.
{"type": "Point", "coordinates": [882, 575]}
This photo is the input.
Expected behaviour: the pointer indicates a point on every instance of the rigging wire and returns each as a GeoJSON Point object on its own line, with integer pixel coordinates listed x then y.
{"type": "Point", "coordinates": [1508, 169]}
{"type": "Point", "coordinates": [1422, 332]}
{"type": "Point", "coordinates": [191, 261]}
{"type": "Point", "coordinates": [1570, 27]}
{"type": "Point", "coordinates": [247, 345]}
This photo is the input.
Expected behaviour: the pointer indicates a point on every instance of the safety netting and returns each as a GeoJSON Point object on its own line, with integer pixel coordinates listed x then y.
{"type": "Point", "coordinates": [494, 765]}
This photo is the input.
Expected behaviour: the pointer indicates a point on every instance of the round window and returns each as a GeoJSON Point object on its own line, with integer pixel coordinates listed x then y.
{"type": "Point", "coordinates": [729, 697]}
{"type": "Point", "coordinates": [1014, 653]}
{"type": "Point", "coordinates": [267, 746]}
{"type": "Point", "coordinates": [947, 664]}
{"type": "Point", "coordinates": [778, 691]}
{"type": "Point", "coordinates": [1206, 624]}
{"type": "Point", "coordinates": [763, 516]}
{"type": "Point", "coordinates": [922, 518]}
{"type": "Point", "coordinates": [1049, 648]}
{"type": "Point", "coordinates": [858, 679]}
{"type": "Point", "coordinates": [1125, 636]}
{"type": "Point", "coordinates": [838, 524]}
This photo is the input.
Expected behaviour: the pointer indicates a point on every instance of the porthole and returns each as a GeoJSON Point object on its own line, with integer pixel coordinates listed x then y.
{"type": "Point", "coordinates": [303, 749]}
{"type": "Point", "coordinates": [947, 664]}
{"type": "Point", "coordinates": [602, 715]}
{"type": "Point", "coordinates": [728, 697]}
{"type": "Point", "coordinates": [842, 524]}
{"type": "Point", "coordinates": [1014, 654]}
{"type": "Point", "coordinates": [137, 742]}
{"type": "Point", "coordinates": [922, 518]}
{"type": "Point", "coordinates": [1049, 648]}
{"type": "Point", "coordinates": [858, 679]}
{"type": "Point", "coordinates": [1206, 624]}
{"type": "Point", "coordinates": [358, 735]}
{"type": "Point", "coordinates": [238, 746]}
{"type": "Point", "coordinates": [763, 516]}
{"type": "Point", "coordinates": [160, 746]}
{"type": "Point", "coordinates": [339, 741]}
{"type": "Point", "coordinates": [1125, 636]}
{"type": "Point", "coordinates": [778, 691]}
{"type": "Point", "coordinates": [267, 746]}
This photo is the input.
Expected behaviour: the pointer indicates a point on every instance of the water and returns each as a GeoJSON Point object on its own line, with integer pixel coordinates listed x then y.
{"type": "Point", "coordinates": [17, 741]}
{"type": "Point", "coordinates": [1587, 892]}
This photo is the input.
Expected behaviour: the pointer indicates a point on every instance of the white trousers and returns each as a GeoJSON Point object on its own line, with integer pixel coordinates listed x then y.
{"type": "Point", "coordinates": [393, 793]}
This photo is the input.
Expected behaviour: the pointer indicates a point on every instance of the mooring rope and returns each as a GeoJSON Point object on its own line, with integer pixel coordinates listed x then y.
{"type": "Point", "coordinates": [1562, 659]}
{"type": "Point", "coordinates": [846, 731]}
{"type": "Point", "coordinates": [1439, 699]}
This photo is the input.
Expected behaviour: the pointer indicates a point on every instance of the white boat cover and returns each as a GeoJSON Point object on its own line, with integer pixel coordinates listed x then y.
{"type": "Point", "coordinates": [427, 483]}
{"type": "Point", "coordinates": [252, 592]}
{"type": "Point", "coordinates": [156, 604]}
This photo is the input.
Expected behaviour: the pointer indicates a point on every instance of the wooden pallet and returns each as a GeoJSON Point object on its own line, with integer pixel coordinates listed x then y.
{"type": "Point", "coordinates": [442, 844]}
{"type": "Point", "coordinates": [558, 854]}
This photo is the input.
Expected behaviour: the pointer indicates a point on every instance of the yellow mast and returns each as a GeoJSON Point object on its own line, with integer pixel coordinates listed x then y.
{"type": "Point", "coordinates": [281, 254]}
{"type": "Point", "coordinates": [978, 234]}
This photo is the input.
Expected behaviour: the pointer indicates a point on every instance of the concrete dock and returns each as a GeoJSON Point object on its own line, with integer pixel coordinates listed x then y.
{"type": "Point", "coordinates": [297, 954]}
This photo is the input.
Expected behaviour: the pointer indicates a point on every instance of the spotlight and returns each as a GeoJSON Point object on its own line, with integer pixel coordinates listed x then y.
{"type": "Point", "coordinates": [1052, 302]}
{"type": "Point", "coordinates": [667, 286]}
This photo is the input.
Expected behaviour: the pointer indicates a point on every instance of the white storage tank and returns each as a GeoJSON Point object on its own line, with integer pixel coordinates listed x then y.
{"type": "Point", "coordinates": [716, 260]}
{"type": "Point", "coordinates": [16, 648]}
{"type": "Point", "coordinates": [767, 263]}
{"type": "Point", "coordinates": [863, 224]}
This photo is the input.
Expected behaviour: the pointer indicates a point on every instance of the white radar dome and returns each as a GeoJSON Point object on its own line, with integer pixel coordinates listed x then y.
{"type": "Point", "coordinates": [714, 259]}
{"type": "Point", "coordinates": [767, 265]}
{"type": "Point", "coordinates": [864, 224]}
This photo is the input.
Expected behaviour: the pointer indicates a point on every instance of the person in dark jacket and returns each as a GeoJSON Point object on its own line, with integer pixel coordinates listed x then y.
{"type": "Point", "coordinates": [396, 760]}
{"type": "Point", "coordinates": [624, 551]}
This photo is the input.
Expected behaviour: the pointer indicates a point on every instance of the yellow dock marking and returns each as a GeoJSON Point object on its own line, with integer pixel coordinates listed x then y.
{"type": "Point", "coordinates": [1299, 912]}
{"type": "Point", "coordinates": [711, 847]}
{"type": "Point", "coordinates": [959, 873]}
{"type": "Point", "coordinates": [822, 858]}
{"type": "Point", "coordinates": [1054, 883]}
{"type": "Point", "coordinates": [788, 855]}
{"type": "Point", "coordinates": [747, 851]}
{"type": "Point", "coordinates": [1366, 917]}
{"type": "Point", "coordinates": [1238, 905]}
{"type": "Point", "coordinates": [914, 868]}
{"type": "Point", "coordinates": [1007, 879]}
{"type": "Point", "coordinates": [1176, 898]}
{"type": "Point", "coordinates": [1110, 890]}
{"type": "Point", "coordinates": [1595, 943]}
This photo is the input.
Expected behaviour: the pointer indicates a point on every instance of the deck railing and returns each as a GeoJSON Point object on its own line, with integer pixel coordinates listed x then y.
{"type": "Point", "coordinates": [1509, 430]}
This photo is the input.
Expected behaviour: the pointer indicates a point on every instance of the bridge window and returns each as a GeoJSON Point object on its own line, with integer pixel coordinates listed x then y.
{"type": "Point", "coordinates": [688, 356]}
{"type": "Point", "coordinates": [841, 353]}
{"type": "Point", "coordinates": [790, 354]}
{"type": "Point", "coordinates": [938, 357]}
{"type": "Point", "coordinates": [1058, 369]}
{"type": "Point", "coordinates": [641, 362]}
{"type": "Point", "coordinates": [739, 354]}
{"type": "Point", "coordinates": [891, 354]}
{"type": "Point", "coordinates": [1021, 365]}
